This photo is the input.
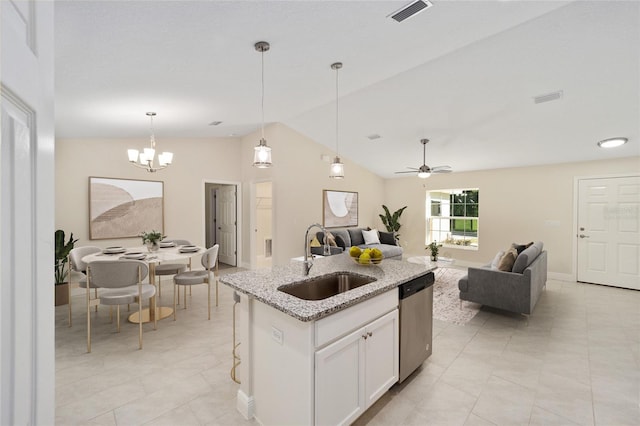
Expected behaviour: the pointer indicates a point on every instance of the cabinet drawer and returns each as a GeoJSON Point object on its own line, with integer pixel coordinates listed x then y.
{"type": "Point", "coordinates": [343, 322]}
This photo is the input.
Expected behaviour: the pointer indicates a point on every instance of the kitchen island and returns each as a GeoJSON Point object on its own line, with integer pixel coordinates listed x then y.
{"type": "Point", "coordinates": [317, 361]}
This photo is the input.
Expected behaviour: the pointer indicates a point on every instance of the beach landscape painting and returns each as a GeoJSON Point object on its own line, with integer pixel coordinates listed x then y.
{"type": "Point", "coordinates": [122, 208]}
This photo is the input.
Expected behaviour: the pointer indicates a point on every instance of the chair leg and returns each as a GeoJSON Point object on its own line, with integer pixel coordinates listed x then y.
{"type": "Point", "coordinates": [175, 291]}
{"type": "Point", "coordinates": [111, 314]}
{"type": "Point", "coordinates": [88, 321]}
{"type": "Point", "coordinates": [185, 297]}
{"type": "Point", "coordinates": [118, 318]}
{"type": "Point", "coordinates": [216, 292]}
{"type": "Point", "coordinates": [155, 317]}
{"type": "Point", "coordinates": [140, 323]}
{"type": "Point", "coordinates": [95, 293]}
{"type": "Point", "coordinates": [209, 299]}
{"type": "Point", "coordinates": [178, 296]}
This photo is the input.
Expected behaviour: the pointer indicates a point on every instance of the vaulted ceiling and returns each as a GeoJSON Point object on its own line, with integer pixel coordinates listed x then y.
{"type": "Point", "coordinates": [463, 74]}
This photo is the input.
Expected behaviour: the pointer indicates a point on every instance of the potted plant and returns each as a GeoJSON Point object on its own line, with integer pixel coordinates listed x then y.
{"type": "Point", "coordinates": [392, 221]}
{"type": "Point", "coordinates": [434, 247]}
{"type": "Point", "coordinates": [62, 250]}
{"type": "Point", "coordinates": [152, 239]}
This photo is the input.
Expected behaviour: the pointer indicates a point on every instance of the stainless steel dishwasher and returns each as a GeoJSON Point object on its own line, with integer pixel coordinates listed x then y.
{"type": "Point", "coordinates": [416, 323]}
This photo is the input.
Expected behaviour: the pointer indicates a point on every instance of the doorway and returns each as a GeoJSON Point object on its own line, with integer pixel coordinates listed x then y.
{"type": "Point", "coordinates": [221, 220]}
{"type": "Point", "coordinates": [263, 220]}
{"type": "Point", "coordinates": [608, 234]}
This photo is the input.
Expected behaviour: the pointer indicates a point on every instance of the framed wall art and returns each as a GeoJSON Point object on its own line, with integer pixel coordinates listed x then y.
{"type": "Point", "coordinates": [123, 208]}
{"type": "Point", "coordinates": [339, 208]}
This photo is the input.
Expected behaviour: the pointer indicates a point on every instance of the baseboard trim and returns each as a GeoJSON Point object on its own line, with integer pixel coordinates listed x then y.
{"type": "Point", "coordinates": [558, 276]}
{"type": "Point", "coordinates": [245, 405]}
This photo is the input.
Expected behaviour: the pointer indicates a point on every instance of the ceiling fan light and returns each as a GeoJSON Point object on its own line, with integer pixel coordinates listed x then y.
{"type": "Point", "coordinates": [337, 169]}
{"type": "Point", "coordinates": [423, 175]}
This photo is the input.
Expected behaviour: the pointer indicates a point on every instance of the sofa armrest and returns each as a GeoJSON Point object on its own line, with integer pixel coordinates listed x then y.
{"type": "Point", "coordinates": [504, 290]}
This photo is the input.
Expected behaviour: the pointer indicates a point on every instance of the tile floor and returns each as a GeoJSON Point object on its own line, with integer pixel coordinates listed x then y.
{"type": "Point", "coordinates": [576, 360]}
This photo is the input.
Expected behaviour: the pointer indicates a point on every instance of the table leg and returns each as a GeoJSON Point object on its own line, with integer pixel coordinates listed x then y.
{"type": "Point", "coordinates": [153, 311]}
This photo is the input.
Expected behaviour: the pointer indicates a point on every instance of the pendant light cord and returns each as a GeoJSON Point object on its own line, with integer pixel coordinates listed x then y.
{"type": "Point", "coordinates": [262, 100]}
{"type": "Point", "coordinates": [337, 150]}
{"type": "Point", "coordinates": [153, 138]}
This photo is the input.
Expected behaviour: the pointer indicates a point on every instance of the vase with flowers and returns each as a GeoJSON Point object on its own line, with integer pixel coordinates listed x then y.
{"type": "Point", "coordinates": [152, 240]}
{"type": "Point", "coordinates": [434, 247]}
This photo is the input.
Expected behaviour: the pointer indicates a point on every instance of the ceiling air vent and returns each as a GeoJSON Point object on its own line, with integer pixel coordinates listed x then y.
{"type": "Point", "coordinates": [374, 137]}
{"type": "Point", "coordinates": [410, 10]}
{"type": "Point", "coordinates": [548, 97]}
{"type": "Point", "coordinates": [215, 123]}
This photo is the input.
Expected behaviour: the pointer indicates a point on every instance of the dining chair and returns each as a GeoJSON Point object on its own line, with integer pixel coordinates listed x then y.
{"type": "Point", "coordinates": [121, 284]}
{"type": "Point", "coordinates": [78, 268]}
{"type": "Point", "coordinates": [171, 268]}
{"type": "Point", "coordinates": [186, 279]}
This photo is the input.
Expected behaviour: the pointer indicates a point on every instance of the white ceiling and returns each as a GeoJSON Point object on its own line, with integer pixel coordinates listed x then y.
{"type": "Point", "coordinates": [461, 73]}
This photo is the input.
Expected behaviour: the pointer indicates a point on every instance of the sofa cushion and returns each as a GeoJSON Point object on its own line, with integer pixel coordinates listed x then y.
{"type": "Point", "coordinates": [387, 238]}
{"type": "Point", "coordinates": [527, 256]}
{"type": "Point", "coordinates": [356, 236]}
{"type": "Point", "coordinates": [388, 251]}
{"type": "Point", "coordinates": [371, 237]}
{"type": "Point", "coordinates": [507, 260]}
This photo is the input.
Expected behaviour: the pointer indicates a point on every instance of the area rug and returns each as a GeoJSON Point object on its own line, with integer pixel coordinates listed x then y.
{"type": "Point", "coordinates": [446, 300]}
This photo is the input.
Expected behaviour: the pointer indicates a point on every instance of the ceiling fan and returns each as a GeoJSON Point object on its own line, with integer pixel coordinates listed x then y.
{"type": "Point", "coordinates": [425, 171]}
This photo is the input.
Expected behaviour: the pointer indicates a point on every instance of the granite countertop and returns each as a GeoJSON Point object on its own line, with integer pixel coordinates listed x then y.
{"type": "Point", "coordinates": [263, 284]}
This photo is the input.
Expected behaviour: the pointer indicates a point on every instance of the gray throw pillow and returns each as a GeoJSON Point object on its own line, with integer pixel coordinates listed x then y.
{"type": "Point", "coordinates": [356, 236]}
{"type": "Point", "coordinates": [387, 238]}
{"type": "Point", "coordinates": [340, 242]}
{"type": "Point", "coordinates": [525, 258]}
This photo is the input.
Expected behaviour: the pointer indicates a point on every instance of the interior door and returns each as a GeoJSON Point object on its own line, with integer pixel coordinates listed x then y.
{"type": "Point", "coordinates": [226, 222]}
{"type": "Point", "coordinates": [27, 376]}
{"type": "Point", "coordinates": [609, 231]}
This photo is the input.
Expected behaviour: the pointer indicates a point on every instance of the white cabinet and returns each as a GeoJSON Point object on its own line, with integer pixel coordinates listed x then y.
{"type": "Point", "coordinates": [356, 370]}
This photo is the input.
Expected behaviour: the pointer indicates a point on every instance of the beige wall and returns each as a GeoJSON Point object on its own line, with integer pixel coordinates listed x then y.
{"type": "Point", "coordinates": [516, 205]}
{"type": "Point", "coordinates": [521, 204]}
{"type": "Point", "coordinates": [195, 161]}
{"type": "Point", "coordinates": [299, 176]}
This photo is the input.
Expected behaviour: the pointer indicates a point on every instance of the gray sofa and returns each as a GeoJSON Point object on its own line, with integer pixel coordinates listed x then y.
{"type": "Point", "coordinates": [347, 237]}
{"type": "Point", "coordinates": [516, 291]}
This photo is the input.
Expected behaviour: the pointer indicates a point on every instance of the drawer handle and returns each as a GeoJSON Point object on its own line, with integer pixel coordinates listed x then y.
{"type": "Point", "coordinates": [369, 334]}
{"type": "Point", "coordinates": [364, 336]}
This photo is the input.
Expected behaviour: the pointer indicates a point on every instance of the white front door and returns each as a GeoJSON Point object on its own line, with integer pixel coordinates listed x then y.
{"type": "Point", "coordinates": [609, 231]}
{"type": "Point", "coordinates": [226, 222]}
{"type": "Point", "coordinates": [27, 374]}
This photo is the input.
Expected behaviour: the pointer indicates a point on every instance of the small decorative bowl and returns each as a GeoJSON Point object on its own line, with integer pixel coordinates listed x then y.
{"type": "Point", "coordinates": [369, 263]}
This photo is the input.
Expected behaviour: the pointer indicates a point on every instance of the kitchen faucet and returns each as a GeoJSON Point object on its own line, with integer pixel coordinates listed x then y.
{"type": "Point", "coordinates": [308, 263]}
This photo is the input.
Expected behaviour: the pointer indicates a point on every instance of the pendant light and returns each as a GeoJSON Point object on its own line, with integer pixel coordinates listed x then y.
{"type": "Point", "coordinates": [336, 171]}
{"type": "Point", "coordinates": [146, 157]}
{"type": "Point", "coordinates": [262, 153]}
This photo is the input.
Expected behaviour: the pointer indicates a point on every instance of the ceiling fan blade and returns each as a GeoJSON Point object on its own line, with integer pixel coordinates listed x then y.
{"type": "Point", "coordinates": [411, 171]}
{"type": "Point", "coordinates": [441, 169]}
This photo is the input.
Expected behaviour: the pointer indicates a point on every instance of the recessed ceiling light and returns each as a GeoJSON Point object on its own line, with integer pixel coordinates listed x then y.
{"type": "Point", "coordinates": [612, 142]}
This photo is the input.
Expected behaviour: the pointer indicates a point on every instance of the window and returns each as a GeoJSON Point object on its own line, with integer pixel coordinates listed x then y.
{"type": "Point", "coordinates": [452, 217]}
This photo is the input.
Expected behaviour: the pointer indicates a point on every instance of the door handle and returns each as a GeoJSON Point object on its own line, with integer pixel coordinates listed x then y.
{"type": "Point", "coordinates": [583, 236]}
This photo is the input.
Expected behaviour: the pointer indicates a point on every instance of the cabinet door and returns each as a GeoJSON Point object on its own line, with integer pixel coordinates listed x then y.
{"type": "Point", "coordinates": [381, 356]}
{"type": "Point", "coordinates": [339, 378]}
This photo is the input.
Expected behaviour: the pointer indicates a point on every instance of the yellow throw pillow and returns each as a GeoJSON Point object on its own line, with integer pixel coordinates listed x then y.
{"type": "Point", "coordinates": [315, 242]}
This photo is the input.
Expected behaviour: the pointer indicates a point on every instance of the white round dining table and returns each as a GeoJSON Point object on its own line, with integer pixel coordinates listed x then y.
{"type": "Point", "coordinates": [152, 258]}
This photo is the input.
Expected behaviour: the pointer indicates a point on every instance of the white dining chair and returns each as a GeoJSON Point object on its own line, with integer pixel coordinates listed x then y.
{"type": "Point", "coordinates": [121, 284]}
{"type": "Point", "coordinates": [189, 278]}
{"type": "Point", "coordinates": [171, 268]}
{"type": "Point", "coordinates": [77, 270]}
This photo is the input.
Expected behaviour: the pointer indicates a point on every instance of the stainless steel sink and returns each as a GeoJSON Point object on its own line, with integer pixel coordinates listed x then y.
{"type": "Point", "coordinates": [324, 286]}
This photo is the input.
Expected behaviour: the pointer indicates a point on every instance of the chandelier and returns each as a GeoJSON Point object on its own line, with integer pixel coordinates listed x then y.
{"type": "Point", "coordinates": [145, 159]}
{"type": "Point", "coordinates": [336, 170]}
{"type": "Point", "coordinates": [262, 153]}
